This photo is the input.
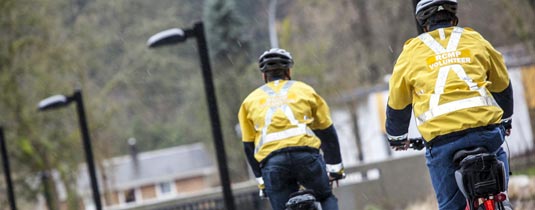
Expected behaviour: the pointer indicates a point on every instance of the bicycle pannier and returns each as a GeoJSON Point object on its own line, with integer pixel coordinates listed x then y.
{"type": "Point", "coordinates": [481, 175]}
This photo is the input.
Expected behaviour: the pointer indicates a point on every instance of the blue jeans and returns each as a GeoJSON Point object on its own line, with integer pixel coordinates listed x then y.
{"type": "Point", "coordinates": [283, 172]}
{"type": "Point", "coordinates": [442, 169]}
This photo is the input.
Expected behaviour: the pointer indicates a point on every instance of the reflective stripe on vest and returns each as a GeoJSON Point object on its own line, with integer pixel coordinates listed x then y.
{"type": "Point", "coordinates": [434, 108]}
{"type": "Point", "coordinates": [300, 128]}
{"type": "Point", "coordinates": [454, 106]}
{"type": "Point", "coordinates": [397, 138]}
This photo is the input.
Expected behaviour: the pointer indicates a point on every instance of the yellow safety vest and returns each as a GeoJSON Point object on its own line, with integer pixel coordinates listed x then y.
{"type": "Point", "coordinates": [448, 87]}
{"type": "Point", "coordinates": [282, 114]}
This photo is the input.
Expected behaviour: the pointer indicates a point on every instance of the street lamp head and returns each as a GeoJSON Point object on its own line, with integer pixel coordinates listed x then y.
{"type": "Point", "coordinates": [167, 37]}
{"type": "Point", "coordinates": [53, 102]}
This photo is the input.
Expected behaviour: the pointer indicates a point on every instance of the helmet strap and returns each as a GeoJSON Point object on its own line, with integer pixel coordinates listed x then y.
{"type": "Point", "coordinates": [455, 21]}
{"type": "Point", "coordinates": [288, 72]}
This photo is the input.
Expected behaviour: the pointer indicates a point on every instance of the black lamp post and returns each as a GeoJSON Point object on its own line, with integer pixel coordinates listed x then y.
{"type": "Point", "coordinates": [59, 101]}
{"type": "Point", "coordinates": [174, 36]}
{"type": "Point", "coordinates": [7, 173]}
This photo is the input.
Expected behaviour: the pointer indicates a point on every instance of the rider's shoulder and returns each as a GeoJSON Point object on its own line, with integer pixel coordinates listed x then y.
{"type": "Point", "coordinates": [302, 85]}
{"type": "Point", "coordinates": [468, 30]}
{"type": "Point", "coordinates": [255, 94]}
{"type": "Point", "coordinates": [411, 44]}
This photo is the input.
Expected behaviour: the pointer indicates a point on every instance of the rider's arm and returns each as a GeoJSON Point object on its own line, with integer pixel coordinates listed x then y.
{"type": "Point", "coordinates": [325, 131]}
{"type": "Point", "coordinates": [248, 137]}
{"type": "Point", "coordinates": [397, 122]}
{"type": "Point", "coordinates": [505, 101]}
{"type": "Point", "coordinates": [329, 145]}
{"type": "Point", "coordinates": [249, 153]}
{"type": "Point", "coordinates": [500, 86]}
{"type": "Point", "coordinates": [331, 152]}
{"type": "Point", "coordinates": [399, 106]}
{"type": "Point", "coordinates": [255, 166]}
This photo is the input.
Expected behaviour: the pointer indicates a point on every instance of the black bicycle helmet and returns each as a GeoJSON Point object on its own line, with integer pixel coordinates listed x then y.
{"type": "Point", "coordinates": [275, 59]}
{"type": "Point", "coordinates": [427, 8]}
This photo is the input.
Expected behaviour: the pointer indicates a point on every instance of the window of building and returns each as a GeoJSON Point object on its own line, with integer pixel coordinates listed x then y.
{"type": "Point", "coordinates": [130, 196]}
{"type": "Point", "coordinates": [165, 188]}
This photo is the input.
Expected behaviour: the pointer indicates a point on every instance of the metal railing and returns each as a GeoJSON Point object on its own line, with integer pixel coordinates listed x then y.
{"type": "Point", "coordinates": [388, 184]}
{"type": "Point", "coordinates": [245, 200]}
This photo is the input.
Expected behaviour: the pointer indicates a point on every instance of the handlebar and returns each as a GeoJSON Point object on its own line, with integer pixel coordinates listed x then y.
{"type": "Point", "coordinates": [414, 143]}
{"type": "Point", "coordinates": [334, 178]}
{"type": "Point", "coordinates": [417, 143]}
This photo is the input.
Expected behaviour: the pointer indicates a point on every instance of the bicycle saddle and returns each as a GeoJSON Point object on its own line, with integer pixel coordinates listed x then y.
{"type": "Point", "coordinates": [301, 200]}
{"type": "Point", "coordinates": [461, 154]}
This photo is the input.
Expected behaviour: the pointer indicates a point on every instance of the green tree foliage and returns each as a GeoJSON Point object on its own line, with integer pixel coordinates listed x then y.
{"type": "Point", "coordinates": [35, 61]}
{"type": "Point", "coordinates": [146, 88]}
{"type": "Point", "coordinates": [229, 50]}
{"type": "Point", "coordinates": [129, 92]}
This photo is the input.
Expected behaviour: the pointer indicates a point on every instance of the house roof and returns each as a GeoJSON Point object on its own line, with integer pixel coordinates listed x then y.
{"type": "Point", "coordinates": [152, 167]}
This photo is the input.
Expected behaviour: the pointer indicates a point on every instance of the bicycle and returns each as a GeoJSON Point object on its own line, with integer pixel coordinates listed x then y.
{"type": "Point", "coordinates": [480, 176]}
{"type": "Point", "coordinates": [305, 199]}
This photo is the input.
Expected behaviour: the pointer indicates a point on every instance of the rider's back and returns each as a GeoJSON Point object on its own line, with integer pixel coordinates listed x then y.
{"type": "Point", "coordinates": [309, 111]}
{"type": "Point", "coordinates": [482, 64]}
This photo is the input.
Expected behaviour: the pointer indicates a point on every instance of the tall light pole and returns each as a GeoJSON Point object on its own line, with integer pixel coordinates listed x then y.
{"type": "Point", "coordinates": [59, 101]}
{"type": "Point", "coordinates": [272, 14]}
{"type": "Point", "coordinates": [175, 36]}
{"type": "Point", "coordinates": [7, 172]}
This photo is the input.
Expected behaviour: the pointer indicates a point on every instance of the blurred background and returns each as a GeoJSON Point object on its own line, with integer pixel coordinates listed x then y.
{"type": "Point", "coordinates": [147, 111]}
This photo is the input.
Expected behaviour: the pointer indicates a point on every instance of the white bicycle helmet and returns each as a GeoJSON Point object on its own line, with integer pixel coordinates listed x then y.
{"type": "Point", "coordinates": [275, 59]}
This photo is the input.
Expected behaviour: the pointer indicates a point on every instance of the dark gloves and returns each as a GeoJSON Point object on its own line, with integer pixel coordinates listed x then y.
{"type": "Point", "coordinates": [507, 124]}
{"type": "Point", "coordinates": [401, 144]}
{"type": "Point", "coordinates": [404, 144]}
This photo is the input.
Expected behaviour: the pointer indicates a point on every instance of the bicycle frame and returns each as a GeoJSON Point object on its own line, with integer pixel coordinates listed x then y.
{"type": "Point", "coordinates": [489, 203]}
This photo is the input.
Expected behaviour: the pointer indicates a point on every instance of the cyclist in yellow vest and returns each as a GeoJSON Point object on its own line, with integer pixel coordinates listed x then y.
{"type": "Point", "coordinates": [284, 124]}
{"type": "Point", "coordinates": [457, 86]}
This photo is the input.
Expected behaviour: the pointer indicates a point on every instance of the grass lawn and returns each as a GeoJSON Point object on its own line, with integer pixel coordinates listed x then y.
{"type": "Point", "coordinates": [529, 172]}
